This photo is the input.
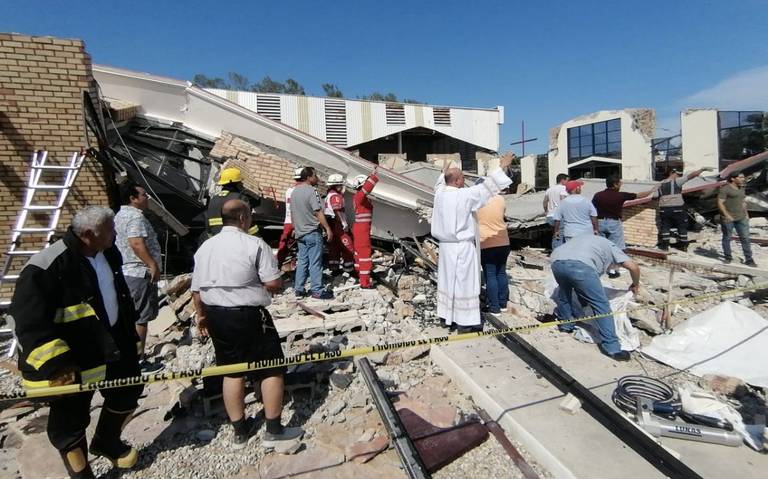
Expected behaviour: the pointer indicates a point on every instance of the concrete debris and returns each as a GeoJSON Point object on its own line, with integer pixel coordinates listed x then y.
{"type": "Point", "coordinates": [570, 404]}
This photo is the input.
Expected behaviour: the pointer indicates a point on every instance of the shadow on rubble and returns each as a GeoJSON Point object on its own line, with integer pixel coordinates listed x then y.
{"type": "Point", "coordinates": [197, 425]}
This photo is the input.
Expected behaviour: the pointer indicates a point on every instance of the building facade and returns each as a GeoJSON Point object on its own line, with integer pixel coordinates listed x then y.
{"type": "Point", "coordinates": [374, 128]}
{"type": "Point", "coordinates": [603, 143]}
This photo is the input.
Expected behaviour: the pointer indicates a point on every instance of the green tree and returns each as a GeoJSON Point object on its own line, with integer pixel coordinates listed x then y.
{"type": "Point", "coordinates": [268, 85]}
{"type": "Point", "coordinates": [331, 90]}
{"type": "Point", "coordinates": [206, 82]}
{"type": "Point", "coordinates": [238, 81]}
{"type": "Point", "coordinates": [293, 87]}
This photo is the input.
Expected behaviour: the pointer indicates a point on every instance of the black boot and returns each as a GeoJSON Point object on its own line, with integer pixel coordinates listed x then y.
{"type": "Point", "coordinates": [75, 459]}
{"type": "Point", "coordinates": [106, 440]}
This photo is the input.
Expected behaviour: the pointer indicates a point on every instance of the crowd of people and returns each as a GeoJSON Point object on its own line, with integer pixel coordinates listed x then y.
{"type": "Point", "coordinates": [588, 241]}
{"type": "Point", "coordinates": [82, 305]}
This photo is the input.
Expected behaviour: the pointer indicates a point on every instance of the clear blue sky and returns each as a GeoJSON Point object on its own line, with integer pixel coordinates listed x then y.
{"type": "Point", "coordinates": [545, 62]}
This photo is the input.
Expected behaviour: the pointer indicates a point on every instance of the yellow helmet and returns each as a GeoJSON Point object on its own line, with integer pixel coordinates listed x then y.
{"type": "Point", "coordinates": [230, 175]}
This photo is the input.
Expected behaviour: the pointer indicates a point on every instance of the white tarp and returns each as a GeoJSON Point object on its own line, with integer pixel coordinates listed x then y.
{"type": "Point", "coordinates": [728, 339]}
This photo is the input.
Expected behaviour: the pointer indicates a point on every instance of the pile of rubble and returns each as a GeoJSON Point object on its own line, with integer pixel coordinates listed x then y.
{"type": "Point", "coordinates": [181, 427]}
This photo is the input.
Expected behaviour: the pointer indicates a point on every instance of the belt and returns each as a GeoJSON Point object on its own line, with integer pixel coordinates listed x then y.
{"type": "Point", "coordinates": [608, 218]}
{"type": "Point", "coordinates": [237, 308]}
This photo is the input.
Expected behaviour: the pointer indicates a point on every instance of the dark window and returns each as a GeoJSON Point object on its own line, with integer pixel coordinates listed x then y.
{"type": "Point", "coordinates": [601, 139]}
{"type": "Point", "coordinates": [742, 134]}
{"type": "Point", "coordinates": [666, 153]}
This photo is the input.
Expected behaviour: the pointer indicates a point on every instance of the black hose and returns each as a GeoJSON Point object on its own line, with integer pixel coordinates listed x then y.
{"type": "Point", "coordinates": [630, 388]}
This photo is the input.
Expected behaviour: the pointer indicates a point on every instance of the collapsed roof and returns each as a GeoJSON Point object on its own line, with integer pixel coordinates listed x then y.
{"type": "Point", "coordinates": [171, 101]}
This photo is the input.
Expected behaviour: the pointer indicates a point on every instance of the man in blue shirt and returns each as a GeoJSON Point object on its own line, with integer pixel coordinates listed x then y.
{"type": "Point", "coordinates": [577, 266]}
{"type": "Point", "coordinates": [576, 215]}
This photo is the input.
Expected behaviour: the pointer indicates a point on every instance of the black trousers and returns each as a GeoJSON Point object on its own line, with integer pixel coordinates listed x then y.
{"type": "Point", "coordinates": [70, 415]}
{"type": "Point", "coordinates": [244, 334]}
{"type": "Point", "coordinates": [674, 217]}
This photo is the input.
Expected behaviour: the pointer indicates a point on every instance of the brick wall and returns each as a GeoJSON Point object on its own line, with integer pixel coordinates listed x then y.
{"type": "Point", "coordinates": [640, 225]}
{"type": "Point", "coordinates": [264, 173]}
{"type": "Point", "coordinates": [41, 85]}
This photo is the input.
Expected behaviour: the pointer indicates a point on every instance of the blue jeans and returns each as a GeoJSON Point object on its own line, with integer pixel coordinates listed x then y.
{"type": "Point", "coordinates": [742, 229]}
{"type": "Point", "coordinates": [576, 276]}
{"type": "Point", "coordinates": [613, 230]}
{"type": "Point", "coordinates": [310, 263]}
{"type": "Point", "coordinates": [555, 241]}
{"type": "Point", "coordinates": [494, 261]}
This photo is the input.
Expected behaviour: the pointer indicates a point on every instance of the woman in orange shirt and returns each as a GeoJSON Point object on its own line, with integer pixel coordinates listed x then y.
{"type": "Point", "coordinates": [494, 251]}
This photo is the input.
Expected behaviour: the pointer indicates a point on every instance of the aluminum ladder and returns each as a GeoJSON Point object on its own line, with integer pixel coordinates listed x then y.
{"type": "Point", "coordinates": [38, 166]}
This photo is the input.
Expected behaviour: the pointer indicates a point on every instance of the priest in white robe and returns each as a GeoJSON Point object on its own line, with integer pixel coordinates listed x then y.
{"type": "Point", "coordinates": [455, 226]}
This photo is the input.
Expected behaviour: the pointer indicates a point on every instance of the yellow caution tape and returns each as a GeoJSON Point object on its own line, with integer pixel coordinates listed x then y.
{"type": "Point", "coordinates": [334, 355]}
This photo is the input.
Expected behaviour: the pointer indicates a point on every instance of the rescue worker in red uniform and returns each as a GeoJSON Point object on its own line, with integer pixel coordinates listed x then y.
{"type": "Point", "coordinates": [340, 247]}
{"type": "Point", "coordinates": [286, 239]}
{"type": "Point", "coordinates": [361, 230]}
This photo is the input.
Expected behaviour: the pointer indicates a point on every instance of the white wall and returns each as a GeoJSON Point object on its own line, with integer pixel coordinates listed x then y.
{"type": "Point", "coordinates": [701, 146]}
{"type": "Point", "coordinates": [635, 147]}
{"type": "Point", "coordinates": [528, 170]}
{"type": "Point", "coordinates": [366, 120]}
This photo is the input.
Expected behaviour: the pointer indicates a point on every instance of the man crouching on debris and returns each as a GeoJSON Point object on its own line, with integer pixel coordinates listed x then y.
{"type": "Point", "coordinates": [577, 266]}
{"type": "Point", "coordinates": [234, 277]}
{"type": "Point", "coordinates": [455, 226]}
{"type": "Point", "coordinates": [75, 321]}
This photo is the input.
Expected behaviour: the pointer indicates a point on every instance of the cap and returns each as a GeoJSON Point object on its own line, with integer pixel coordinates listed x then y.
{"type": "Point", "coordinates": [230, 175]}
{"type": "Point", "coordinates": [335, 179]}
{"type": "Point", "coordinates": [297, 173]}
{"type": "Point", "coordinates": [572, 185]}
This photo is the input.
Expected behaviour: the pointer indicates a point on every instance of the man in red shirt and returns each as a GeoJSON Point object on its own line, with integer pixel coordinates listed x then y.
{"type": "Point", "coordinates": [609, 204]}
{"type": "Point", "coordinates": [361, 230]}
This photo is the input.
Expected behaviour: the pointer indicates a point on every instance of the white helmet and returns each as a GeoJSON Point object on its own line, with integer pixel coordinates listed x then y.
{"type": "Point", "coordinates": [335, 179]}
{"type": "Point", "coordinates": [297, 173]}
{"type": "Point", "coordinates": [359, 181]}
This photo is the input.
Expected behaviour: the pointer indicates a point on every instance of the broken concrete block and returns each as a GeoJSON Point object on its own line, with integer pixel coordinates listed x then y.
{"type": "Point", "coordinates": [362, 452]}
{"type": "Point", "coordinates": [570, 404]}
{"type": "Point", "coordinates": [413, 353]}
{"type": "Point", "coordinates": [168, 351]}
{"type": "Point", "coordinates": [341, 380]}
{"type": "Point", "coordinates": [178, 285]}
{"type": "Point", "coordinates": [316, 459]}
{"type": "Point", "coordinates": [646, 320]}
{"type": "Point", "coordinates": [165, 319]}
{"type": "Point", "coordinates": [727, 385]}
{"type": "Point", "coordinates": [181, 301]}
{"type": "Point", "coordinates": [402, 309]}
{"type": "Point", "coordinates": [378, 358]}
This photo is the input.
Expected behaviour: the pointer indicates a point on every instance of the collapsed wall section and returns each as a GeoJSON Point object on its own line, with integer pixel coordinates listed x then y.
{"type": "Point", "coordinates": [42, 80]}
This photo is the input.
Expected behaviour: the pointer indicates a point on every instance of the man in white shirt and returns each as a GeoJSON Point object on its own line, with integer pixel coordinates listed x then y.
{"type": "Point", "coordinates": [233, 281]}
{"type": "Point", "coordinates": [552, 198]}
{"type": "Point", "coordinates": [455, 226]}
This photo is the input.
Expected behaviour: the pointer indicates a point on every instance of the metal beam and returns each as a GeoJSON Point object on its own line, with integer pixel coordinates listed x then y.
{"type": "Point", "coordinates": [405, 448]}
{"type": "Point", "coordinates": [611, 419]}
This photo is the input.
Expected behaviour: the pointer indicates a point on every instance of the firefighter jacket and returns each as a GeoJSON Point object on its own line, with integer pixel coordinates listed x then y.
{"type": "Point", "coordinates": [363, 205]}
{"type": "Point", "coordinates": [214, 222]}
{"type": "Point", "coordinates": [61, 321]}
